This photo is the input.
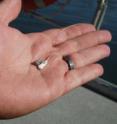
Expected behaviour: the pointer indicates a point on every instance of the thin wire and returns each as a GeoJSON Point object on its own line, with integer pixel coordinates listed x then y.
{"type": "Point", "coordinates": [103, 5]}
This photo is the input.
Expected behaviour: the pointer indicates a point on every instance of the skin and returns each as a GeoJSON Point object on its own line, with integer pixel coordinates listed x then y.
{"type": "Point", "coordinates": [25, 89]}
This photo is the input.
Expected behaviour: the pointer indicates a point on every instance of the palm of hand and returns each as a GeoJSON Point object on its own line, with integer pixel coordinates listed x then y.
{"type": "Point", "coordinates": [23, 86]}
{"type": "Point", "coordinates": [15, 50]}
{"type": "Point", "coordinates": [31, 87]}
{"type": "Point", "coordinates": [27, 87]}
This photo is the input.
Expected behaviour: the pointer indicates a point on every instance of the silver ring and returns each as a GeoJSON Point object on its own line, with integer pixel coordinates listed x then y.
{"type": "Point", "coordinates": [41, 64]}
{"type": "Point", "coordinates": [70, 63]}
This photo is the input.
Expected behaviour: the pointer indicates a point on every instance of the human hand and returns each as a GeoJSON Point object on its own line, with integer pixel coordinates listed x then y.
{"type": "Point", "coordinates": [27, 89]}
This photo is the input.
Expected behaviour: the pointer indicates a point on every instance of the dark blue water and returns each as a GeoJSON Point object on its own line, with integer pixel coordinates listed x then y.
{"type": "Point", "coordinates": [77, 11]}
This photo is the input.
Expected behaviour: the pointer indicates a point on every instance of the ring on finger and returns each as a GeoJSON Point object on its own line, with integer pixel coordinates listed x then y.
{"type": "Point", "coordinates": [69, 62]}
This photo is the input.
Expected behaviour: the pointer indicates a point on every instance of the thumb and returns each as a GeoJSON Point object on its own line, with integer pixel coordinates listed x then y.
{"type": "Point", "coordinates": [9, 10]}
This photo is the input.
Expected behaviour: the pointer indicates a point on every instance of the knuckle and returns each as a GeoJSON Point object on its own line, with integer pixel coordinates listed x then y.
{"type": "Point", "coordinates": [79, 44]}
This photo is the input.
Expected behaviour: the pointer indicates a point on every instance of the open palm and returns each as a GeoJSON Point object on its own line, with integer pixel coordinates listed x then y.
{"type": "Point", "coordinates": [27, 89]}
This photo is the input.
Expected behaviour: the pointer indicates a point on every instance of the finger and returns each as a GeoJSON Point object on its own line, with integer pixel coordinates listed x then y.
{"type": "Point", "coordinates": [90, 55]}
{"type": "Point", "coordinates": [83, 42]}
{"type": "Point", "coordinates": [78, 77]}
{"type": "Point", "coordinates": [41, 47]}
{"type": "Point", "coordinates": [9, 9]}
{"type": "Point", "coordinates": [56, 66]}
{"type": "Point", "coordinates": [42, 42]}
{"type": "Point", "coordinates": [58, 36]}
{"type": "Point", "coordinates": [61, 35]}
